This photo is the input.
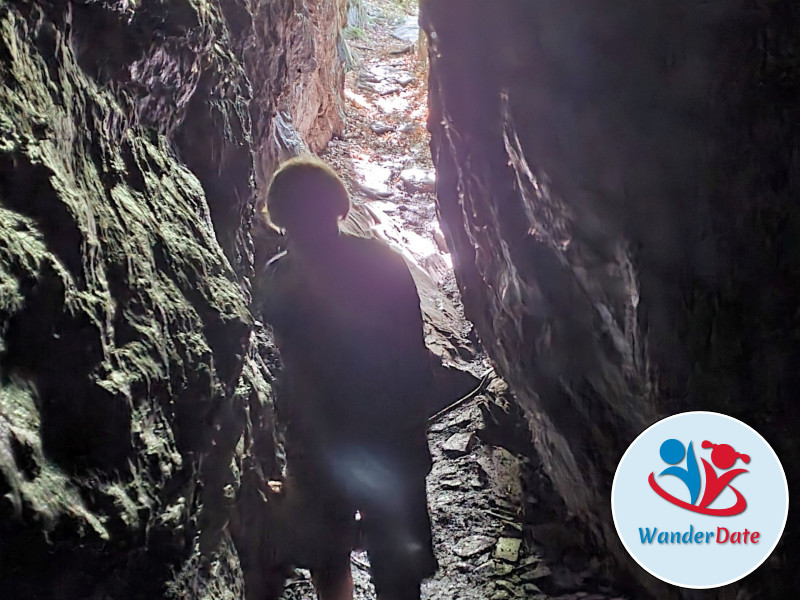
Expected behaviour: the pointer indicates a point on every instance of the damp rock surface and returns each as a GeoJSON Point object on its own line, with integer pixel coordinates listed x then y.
{"type": "Point", "coordinates": [136, 423]}
{"type": "Point", "coordinates": [617, 185]}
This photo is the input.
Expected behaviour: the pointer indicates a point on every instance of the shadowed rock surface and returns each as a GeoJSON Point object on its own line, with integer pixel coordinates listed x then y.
{"type": "Point", "coordinates": [618, 183]}
{"type": "Point", "coordinates": [135, 405]}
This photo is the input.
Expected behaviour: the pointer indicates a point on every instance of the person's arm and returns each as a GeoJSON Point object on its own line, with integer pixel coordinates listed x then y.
{"type": "Point", "coordinates": [268, 306]}
{"type": "Point", "coordinates": [412, 359]}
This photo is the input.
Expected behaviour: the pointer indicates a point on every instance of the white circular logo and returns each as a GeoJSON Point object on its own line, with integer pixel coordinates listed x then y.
{"type": "Point", "coordinates": [700, 500]}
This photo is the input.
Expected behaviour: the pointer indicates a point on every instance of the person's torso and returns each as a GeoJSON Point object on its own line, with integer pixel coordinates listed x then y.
{"type": "Point", "coordinates": [335, 324]}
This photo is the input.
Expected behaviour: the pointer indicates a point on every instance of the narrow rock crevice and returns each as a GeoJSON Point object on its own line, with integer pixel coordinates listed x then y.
{"type": "Point", "coordinates": [612, 184]}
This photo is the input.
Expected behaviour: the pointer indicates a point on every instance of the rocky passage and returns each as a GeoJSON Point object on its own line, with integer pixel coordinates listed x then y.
{"type": "Point", "coordinates": [495, 538]}
{"type": "Point", "coordinates": [489, 528]}
{"type": "Point", "coordinates": [618, 181]}
{"type": "Point", "coordinates": [384, 158]}
{"type": "Point", "coordinates": [616, 189]}
{"type": "Point", "coordinates": [485, 524]}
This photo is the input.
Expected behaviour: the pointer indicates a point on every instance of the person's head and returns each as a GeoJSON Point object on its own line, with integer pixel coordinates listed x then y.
{"type": "Point", "coordinates": [307, 199]}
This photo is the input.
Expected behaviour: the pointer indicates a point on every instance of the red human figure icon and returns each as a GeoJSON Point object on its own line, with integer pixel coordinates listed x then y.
{"type": "Point", "coordinates": [724, 457]}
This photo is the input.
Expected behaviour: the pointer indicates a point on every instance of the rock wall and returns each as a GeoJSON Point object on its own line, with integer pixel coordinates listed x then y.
{"type": "Point", "coordinates": [617, 182]}
{"type": "Point", "coordinates": [135, 405]}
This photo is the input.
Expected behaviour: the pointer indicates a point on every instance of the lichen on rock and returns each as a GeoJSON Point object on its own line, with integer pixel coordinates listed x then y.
{"type": "Point", "coordinates": [134, 397]}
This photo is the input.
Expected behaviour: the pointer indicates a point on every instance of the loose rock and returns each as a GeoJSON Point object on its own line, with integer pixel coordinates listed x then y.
{"type": "Point", "coordinates": [540, 572]}
{"type": "Point", "coordinates": [459, 444]}
{"type": "Point", "coordinates": [418, 180]}
{"type": "Point", "coordinates": [507, 549]}
{"type": "Point", "coordinates": [373, 191]}
{"type": "Point", "coordinates": [408, 30]}
{"type": "Point", "coordinates": [381, 128]}
{"type": "Point", "coordinates": [472, 546]}
{"type": "Point", "coordinates": [438, 237]}
{"type": "Point", "coordinates": [383, 88]}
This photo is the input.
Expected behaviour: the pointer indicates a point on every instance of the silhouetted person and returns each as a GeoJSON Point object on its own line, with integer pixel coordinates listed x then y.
{"type": "Point", "coordinates": [353, 391]}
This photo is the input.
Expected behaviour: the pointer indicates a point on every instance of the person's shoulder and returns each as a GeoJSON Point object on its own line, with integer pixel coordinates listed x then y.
{"type": "Point", "coordinates": [383, 266]}
{"type": "Point", "coordinates": [376, 251]}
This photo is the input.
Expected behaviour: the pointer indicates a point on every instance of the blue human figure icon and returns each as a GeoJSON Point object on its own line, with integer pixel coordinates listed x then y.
{"type": "Point", "coordinates": [672, 452]}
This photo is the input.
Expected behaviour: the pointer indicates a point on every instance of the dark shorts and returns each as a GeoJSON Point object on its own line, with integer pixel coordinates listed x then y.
{"type": "Point", "coordinates": [390, 495]}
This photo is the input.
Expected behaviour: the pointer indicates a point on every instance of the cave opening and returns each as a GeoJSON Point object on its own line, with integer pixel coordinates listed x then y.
{"type": "Point", "coordinates": [613, 221]}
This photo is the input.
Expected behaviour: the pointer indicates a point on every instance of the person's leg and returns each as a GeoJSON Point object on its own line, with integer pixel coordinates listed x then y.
{"type": "Point", "coordinates": [399, 543]}
{"type": "Point", "coordinates": [322, 524]}
{"type": "Point", "coordinates": [333, 579]}
{"type": "Point", "coordinates": [393, 572]}
{"type": "Point", "coordinates": [407, 590]}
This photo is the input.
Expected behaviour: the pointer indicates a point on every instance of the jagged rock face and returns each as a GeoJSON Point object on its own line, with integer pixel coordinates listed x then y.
{"type": "Point", "coordinates": [236, 85]}
{"type": "Point", "coordinates": [135, 405]}
{"type": "Point", "coordinates": [617, 185]}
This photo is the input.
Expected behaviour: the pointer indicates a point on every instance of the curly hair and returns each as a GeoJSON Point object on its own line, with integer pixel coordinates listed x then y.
{"type": "Point", "coordinates": [305, 188]}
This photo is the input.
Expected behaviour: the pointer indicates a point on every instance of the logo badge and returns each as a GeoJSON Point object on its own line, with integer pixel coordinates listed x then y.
{"type": "Point", "coordinates": [700, 500]}
{"type": "Point", "coordinates": [723, 456]}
